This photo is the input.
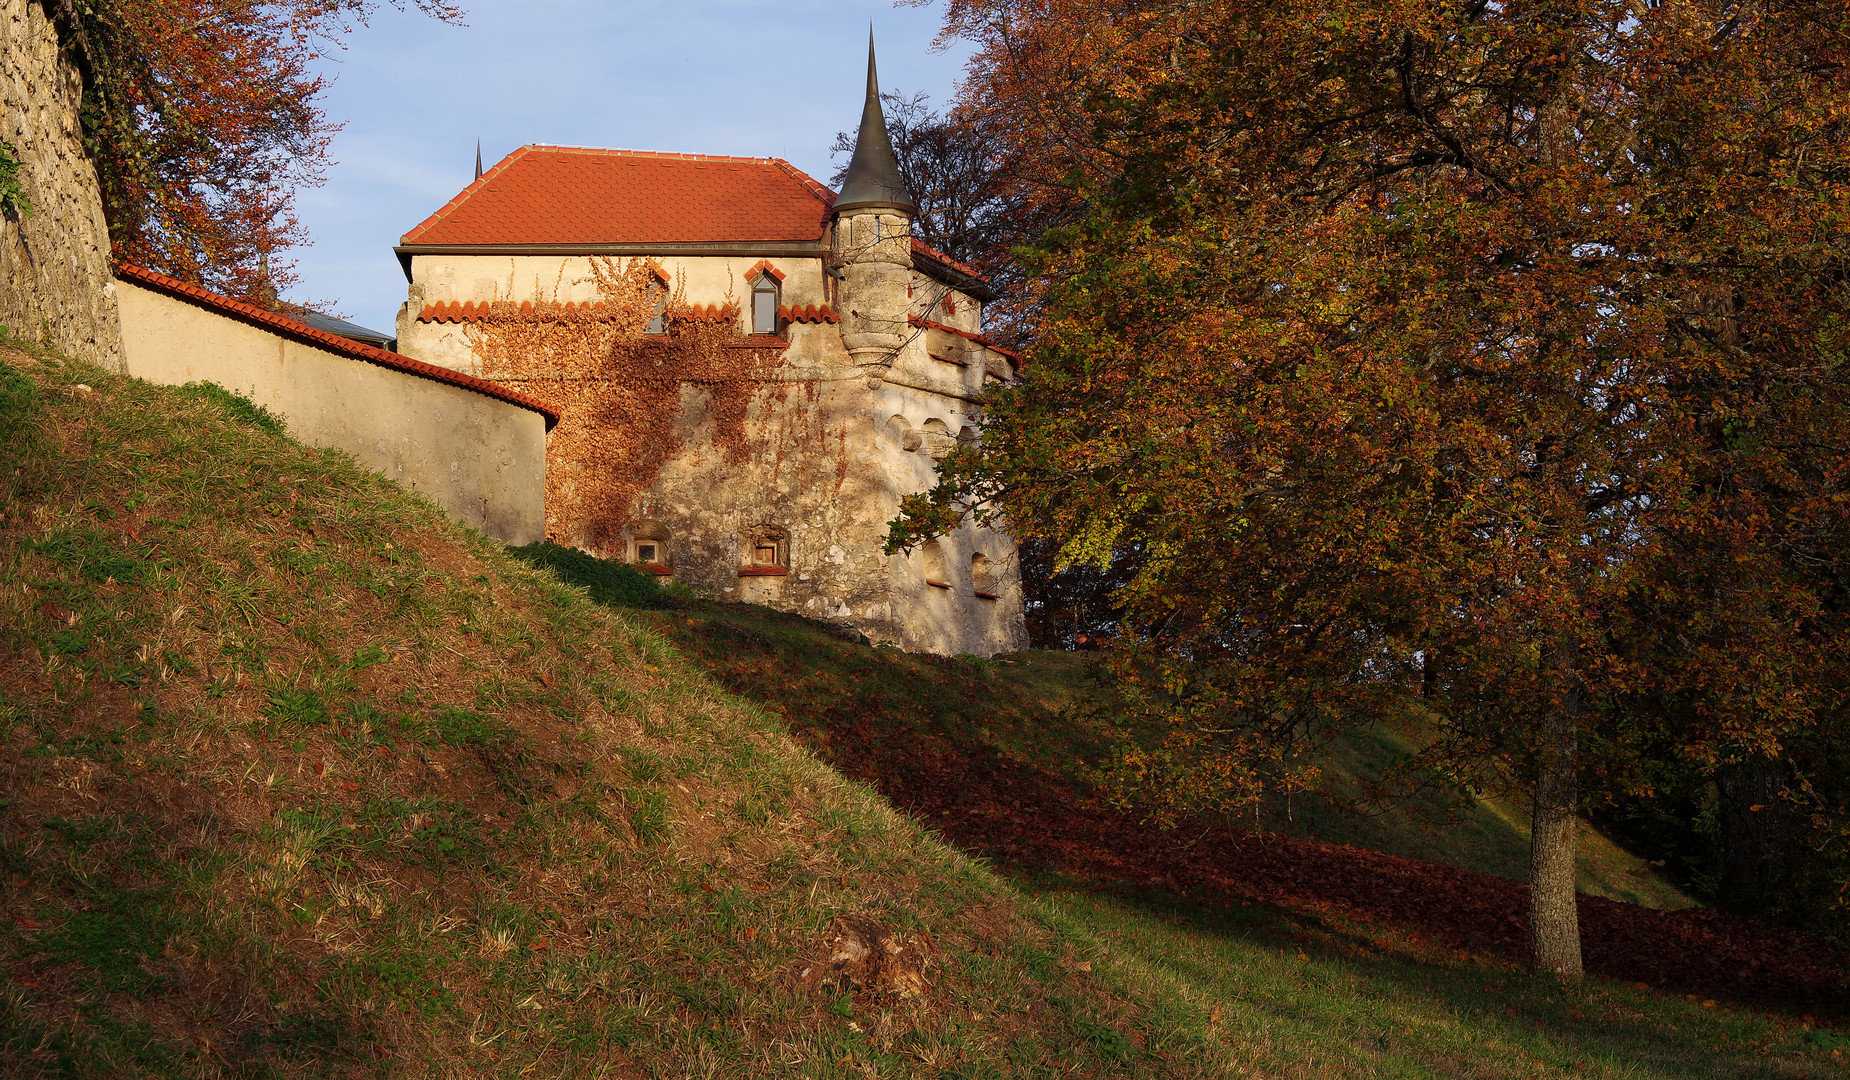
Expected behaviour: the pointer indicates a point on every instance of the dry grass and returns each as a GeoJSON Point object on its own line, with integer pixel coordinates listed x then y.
{"type": "Point", "coordinates": [300, 780]}
{"type": "Point", "coordinates": [303, 780]}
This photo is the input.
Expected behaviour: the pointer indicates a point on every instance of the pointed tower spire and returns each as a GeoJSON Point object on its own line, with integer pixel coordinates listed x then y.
{"type": "Point", "coordinates": [478, 159]}
{"type": "Point", "coordinates": [873, 178]}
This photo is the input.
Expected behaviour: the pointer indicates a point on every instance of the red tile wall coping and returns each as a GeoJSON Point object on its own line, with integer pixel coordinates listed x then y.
{"type": "Point", "coordinates": [308, 335]}
{"type": "Point", "coordinates": [568, 195]}
{"type": "Point", "coordinates": [808, 313]}
{"type": "Point", "coordinates": [980, 339]}
{"type": "Point", "coordinates": [457, 311]}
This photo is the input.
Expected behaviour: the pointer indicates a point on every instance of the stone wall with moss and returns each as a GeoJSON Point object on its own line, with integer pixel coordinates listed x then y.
{"type": "Point", "coordinates": [55, 284]}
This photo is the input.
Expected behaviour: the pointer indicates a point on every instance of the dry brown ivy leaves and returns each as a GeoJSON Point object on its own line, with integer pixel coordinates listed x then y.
{"type": "Point", "coordinates": [619, 389]}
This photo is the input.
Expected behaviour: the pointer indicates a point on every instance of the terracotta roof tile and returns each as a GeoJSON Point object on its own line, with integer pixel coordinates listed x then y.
{"type": "Point", "coordinates": [920, 247]}
{"type": "Point", "coordinates": [454, 311]}
{"type": "Point", "coordinates": [579, 195]}
{"type": "Point", "coordinates": [300, 331]}
{"type": "Point", "coordinates": [985, 342]}
{"type": "Point", "coordinates": [808, 313]}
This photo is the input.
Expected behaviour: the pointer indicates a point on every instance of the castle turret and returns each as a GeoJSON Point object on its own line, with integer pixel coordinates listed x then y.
{"type": "Point", "coordinates": [873, 238]}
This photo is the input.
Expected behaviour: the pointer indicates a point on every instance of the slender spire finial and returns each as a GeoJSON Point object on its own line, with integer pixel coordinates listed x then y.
{"type": "Point", "coordinates": [478, 159]}
{"type": "Point", "coordinates": [873, 178]}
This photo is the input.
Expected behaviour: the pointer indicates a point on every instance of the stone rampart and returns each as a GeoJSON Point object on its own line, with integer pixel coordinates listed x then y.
{"type": "Point", "coordinates": [54, 264]}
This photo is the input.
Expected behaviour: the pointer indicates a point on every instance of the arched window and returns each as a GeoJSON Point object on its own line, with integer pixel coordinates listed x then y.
{"type": "Point", "coordinates": [764, 304]}
{"type": "Point", "coordinates": [657, 299]}
{"type": "Point", "coordinates": [982, 576]}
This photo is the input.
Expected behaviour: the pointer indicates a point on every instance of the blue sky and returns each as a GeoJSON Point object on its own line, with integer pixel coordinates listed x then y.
{"type": "Point", "coordinates": [774, 79]}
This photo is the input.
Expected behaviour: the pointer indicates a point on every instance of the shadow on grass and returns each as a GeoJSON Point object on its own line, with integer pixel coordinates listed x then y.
{"type": "Point", "coordinates": [1315, 990]}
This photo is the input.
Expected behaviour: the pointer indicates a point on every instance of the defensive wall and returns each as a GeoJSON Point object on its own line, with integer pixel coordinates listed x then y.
{"type": "Point", "coordinates": [475, 449]}
{"type": "Point", "coordinates": [54, 261]}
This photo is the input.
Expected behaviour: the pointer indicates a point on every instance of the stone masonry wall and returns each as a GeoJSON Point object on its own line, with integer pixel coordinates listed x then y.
{"type": "Point", "coordinates": [54, 265]}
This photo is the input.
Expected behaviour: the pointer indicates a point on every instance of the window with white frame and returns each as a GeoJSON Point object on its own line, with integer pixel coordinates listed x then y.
{"type": "Point", "coordinates": [764, 304]}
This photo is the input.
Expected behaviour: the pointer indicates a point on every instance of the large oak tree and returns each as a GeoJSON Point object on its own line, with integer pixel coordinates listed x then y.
{"type": "Point", "coordinates": [1477, 363]}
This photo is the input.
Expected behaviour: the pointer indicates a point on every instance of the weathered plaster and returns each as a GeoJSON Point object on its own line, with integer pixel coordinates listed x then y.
{"type": "Point", "coordinates": [824, 461]}
{"type": "Point", "coordinates": [481, 459]}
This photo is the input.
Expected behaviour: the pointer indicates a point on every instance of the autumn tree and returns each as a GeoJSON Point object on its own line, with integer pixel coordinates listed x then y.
{"type": "Point", "coordinates": [201, 119]}
{"type": "Point", "coordinates": [1478, 365]}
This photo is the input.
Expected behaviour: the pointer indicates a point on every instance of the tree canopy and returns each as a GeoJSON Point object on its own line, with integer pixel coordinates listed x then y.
{"type": "Point", "coordinates": [1478, 365]}
{"type": "Point", "coordinates": [201, 119]}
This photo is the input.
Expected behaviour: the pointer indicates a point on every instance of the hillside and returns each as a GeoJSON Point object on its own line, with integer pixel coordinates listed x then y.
{"type": "Point", "coordinates": [301, 779]}
{"type": "Point", "coordinates": [1038, 707]}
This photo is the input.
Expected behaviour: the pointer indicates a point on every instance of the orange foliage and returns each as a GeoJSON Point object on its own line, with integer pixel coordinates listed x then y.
{"type": "Point", "coordinates": [201, 118]}
{"type": "Point", "coordinates": [620, 390]}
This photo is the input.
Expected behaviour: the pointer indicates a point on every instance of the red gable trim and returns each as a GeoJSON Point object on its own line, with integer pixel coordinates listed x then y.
{"type": "Point", "coordinates": [920, 247]}
{"type": "Point", "coordinates": [816, 189]}
{"type": "Point", "coordinates": [282, 324]}
{"type": "Point", "coordinates": [927, 324]}
{"type": "Point", "coordinates": [764, 265]}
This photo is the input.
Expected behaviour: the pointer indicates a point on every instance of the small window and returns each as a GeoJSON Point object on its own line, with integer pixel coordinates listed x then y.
{"type": "Point", "coordinates": [649, 547]}
{"type": "Point", "coordinates": [764, 305]}
{"type": "Point", "coordinates": [767, 552]}
{"type": "Point", "coordinates": [657, 299]}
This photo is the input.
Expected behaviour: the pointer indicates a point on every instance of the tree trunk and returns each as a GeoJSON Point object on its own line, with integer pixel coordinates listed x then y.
{"type": "Point", "coordinates": [1756, 838]}
{"type": "Point", "coordinates": [1554, 920]}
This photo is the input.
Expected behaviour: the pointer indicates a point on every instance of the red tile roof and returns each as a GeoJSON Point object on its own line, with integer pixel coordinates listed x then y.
{"type": "Point", "coordinates": [920, 247]}
{"type": "Point", "coordinates": [985, 342]}
{"type": "Point", "coordinates": [579, 195]}
{"type": "Point", "coordinates": [282, 324]}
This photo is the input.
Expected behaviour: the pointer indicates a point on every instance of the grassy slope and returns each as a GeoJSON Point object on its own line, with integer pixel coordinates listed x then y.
{"type": "Point", "coordinates": [1031, 707]}
{"type": "Point", "coordinates": [300, 779]}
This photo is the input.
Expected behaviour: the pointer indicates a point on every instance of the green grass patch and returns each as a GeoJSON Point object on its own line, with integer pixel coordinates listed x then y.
{"type": "Point", "coordinates": [604, 580]}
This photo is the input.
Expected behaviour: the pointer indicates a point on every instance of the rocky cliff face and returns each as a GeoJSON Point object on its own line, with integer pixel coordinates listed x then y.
{"type": "Point", "coordinates": [54, 265]}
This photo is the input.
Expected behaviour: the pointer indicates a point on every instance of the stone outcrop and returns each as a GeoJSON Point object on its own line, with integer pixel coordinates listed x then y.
{"type": "Point", "coordinates": [55, 282]}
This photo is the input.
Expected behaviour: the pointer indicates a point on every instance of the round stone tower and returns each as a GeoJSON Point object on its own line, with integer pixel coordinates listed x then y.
{"type": "Point", "coordinates": [872, 238]}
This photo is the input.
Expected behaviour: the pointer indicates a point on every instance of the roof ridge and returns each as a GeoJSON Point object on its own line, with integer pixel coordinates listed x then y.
{"type": "Point", "coordinates": [303, 332]}
{"type": "Point", "coordinates": [679, 155]}
{"type": "Point", "coordinates": [541, 188]}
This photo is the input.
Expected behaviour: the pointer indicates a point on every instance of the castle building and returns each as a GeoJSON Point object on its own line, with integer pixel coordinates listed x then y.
{"type": "Point", "coordinates": [799, 363]}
